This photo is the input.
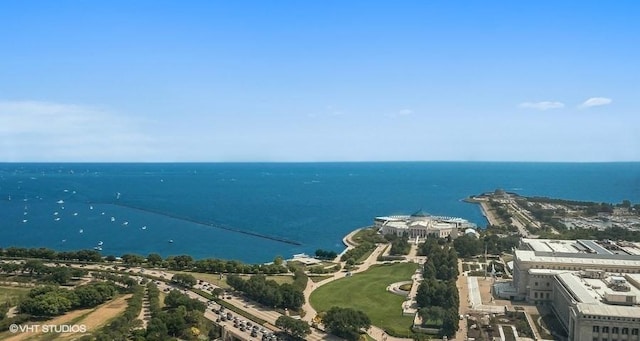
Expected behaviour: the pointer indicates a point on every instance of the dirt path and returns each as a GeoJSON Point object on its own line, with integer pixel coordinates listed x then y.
{"type": "Point", "coordinates": [100, 316]}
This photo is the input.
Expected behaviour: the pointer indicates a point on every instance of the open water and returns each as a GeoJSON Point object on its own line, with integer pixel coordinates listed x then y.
{"type": "Point", "coordinates": [255, 211]}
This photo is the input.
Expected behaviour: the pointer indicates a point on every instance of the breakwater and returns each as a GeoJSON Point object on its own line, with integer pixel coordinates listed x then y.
{"type": "Point", "coordinates": [204, 223]}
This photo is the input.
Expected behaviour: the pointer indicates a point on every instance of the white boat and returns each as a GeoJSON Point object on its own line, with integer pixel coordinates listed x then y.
{"type": "Point", "coordinates": [75, 213]}
{"type": "Point", "coordinates": [91, 207]}
{"type": "Point", "coordinates": [125, 223]}
{"type": "Point", "coordinates": [170, 240]}
{"type": "Point", "coordinates": [144, 227]}
{"type": "Point", "coordinates": [55, 213]}
{"type": "Point", "coordinates": [81, 231]}
{"type": "Point", "coordinates": [113, 219]}
{"type": "Point", "coordinates": [24, 221]}
{"type": "Point", "coordinates": [99, 248]}
{"type": "Point", "coordinates": [100, 243]}
{"type": "Point", "coordinates": [60, 202]}
{"type": "Point", "coordinates": [57, 219]}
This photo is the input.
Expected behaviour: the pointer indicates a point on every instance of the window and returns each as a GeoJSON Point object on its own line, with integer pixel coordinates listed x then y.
{"type": "Point", "coordinates": [548, 283]}
{"type": "Point", "coordinates": [536, 284]}
{"type": "Point", "coordinates": [615, 330]}
{"type": "Point", "coordinates": [625, 331]}
{"type": "Point", "coordinates": [547, 295]}
{"type": "Point", "coordinates": [535, 295]}
{"type": "Point", "coordinates": [605, 330]}
{"type": "Point", "coordinates": [634, 331]}
{"type": "Point", "coordinates": [596, 329]}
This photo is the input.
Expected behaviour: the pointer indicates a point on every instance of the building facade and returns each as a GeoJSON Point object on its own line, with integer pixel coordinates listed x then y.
{"type": "Point", "coordinates": [593, 287]}
{"type": "Point", "coordinates": [421, 225]}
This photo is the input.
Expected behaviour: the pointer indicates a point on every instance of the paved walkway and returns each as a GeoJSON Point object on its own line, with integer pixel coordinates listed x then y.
{"type": "Point", "coordinates": [463, 293]}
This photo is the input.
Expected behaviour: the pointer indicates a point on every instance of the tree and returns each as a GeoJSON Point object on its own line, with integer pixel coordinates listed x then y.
{"type": "Point", "coordinates": [450, 322]}
{"type": "Point", "coordinates": [154, 259]}
{"type": "Point", "coordinates": [293, 327]}
{"type": "Point", "coordinates": [346, 322]}
{"type": "Point", "coordinates": [33, 266]}
{"type": "Point", "coordinates": [433, 314]}
{"type": "Point", "coordinates": [185, 280]}
{"type": "Point", "coordinates": [468, 246]}
{"type": "Point", "coordinates": [59, 275]}
{"type": "Point", "coordinates": [132, 259]}
{"type": "Point", "coordinates": [217, 292]}
{"type": "Point", "coordinates": [278, 260]}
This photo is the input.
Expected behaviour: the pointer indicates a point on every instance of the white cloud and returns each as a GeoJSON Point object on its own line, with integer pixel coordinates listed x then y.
{"type": "Point", "coordinates": [45, 131]}
{"type": "Point", "coordinates": [596, 102]}
{"type": "Point", "coordinates": [401, 113]}
{"type": "Point", "coordinates": [545, 105]}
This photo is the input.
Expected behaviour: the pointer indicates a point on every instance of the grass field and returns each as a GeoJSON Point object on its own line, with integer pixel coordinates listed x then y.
{"type": "Point", "coordinates": [12, 294]}
{"type": "Point", "coordinates": [367, 292]}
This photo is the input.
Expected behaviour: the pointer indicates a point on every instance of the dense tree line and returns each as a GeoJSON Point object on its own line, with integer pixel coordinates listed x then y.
{"type": "Point", "coordinates": [52, 301]}
{"type": "Point", "coordinates": [468, 246]}
{"type": "Point", "coordinates": [346, 322]}
{"type": "Point", "coordinates": [41, 272]}
{"type": "Point", "coordinates": [399, 245]}
{"type": "Point", "coordinates": [299, 329]}
{"type": "Point", "coordinates": [352, 255]}
{"type": "Point", "coordinates": [438, 289]}
{"type": "Point", "coordinates": [326, 255]}
{"type": "Point", "coordinates": [127, 283]}
{"type": "Point", "coordinates": [442, 260]}
{"type": "Point", "coordinates": [49, 254]}
{"type": "Point", "coordinates": [183, 318]}
{"type": "Point", "coordinates": [268, 292]}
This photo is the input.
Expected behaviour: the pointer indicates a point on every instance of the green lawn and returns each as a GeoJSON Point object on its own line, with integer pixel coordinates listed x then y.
{"type": "Point", "coordinates": [12, 294]}
{"type": "Point", "coordinates": [367, 292]}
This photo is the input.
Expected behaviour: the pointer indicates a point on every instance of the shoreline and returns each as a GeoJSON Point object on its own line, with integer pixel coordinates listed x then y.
{"type": "Point", "coordinates": [484, 209]}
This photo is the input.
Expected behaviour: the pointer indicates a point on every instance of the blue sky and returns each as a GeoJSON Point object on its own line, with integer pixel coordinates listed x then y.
{"type": "Point", "coordinates": [319, 81]}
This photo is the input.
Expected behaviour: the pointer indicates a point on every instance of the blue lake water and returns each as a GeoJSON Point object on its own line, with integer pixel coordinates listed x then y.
{"type": "Point", "coordinates": [203, 207]}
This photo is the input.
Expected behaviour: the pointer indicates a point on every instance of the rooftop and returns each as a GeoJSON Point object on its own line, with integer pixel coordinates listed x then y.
{"type": "Point", "coordinates": [584, 246]}
{"type": "Point", "coordinates": [594, 260]}
{"type": "Point", "coordinates": [595, 297]}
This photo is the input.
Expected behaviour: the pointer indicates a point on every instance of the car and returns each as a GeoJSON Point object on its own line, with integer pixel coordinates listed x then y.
{"type": "Point", "coordinates": [254, 333]}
